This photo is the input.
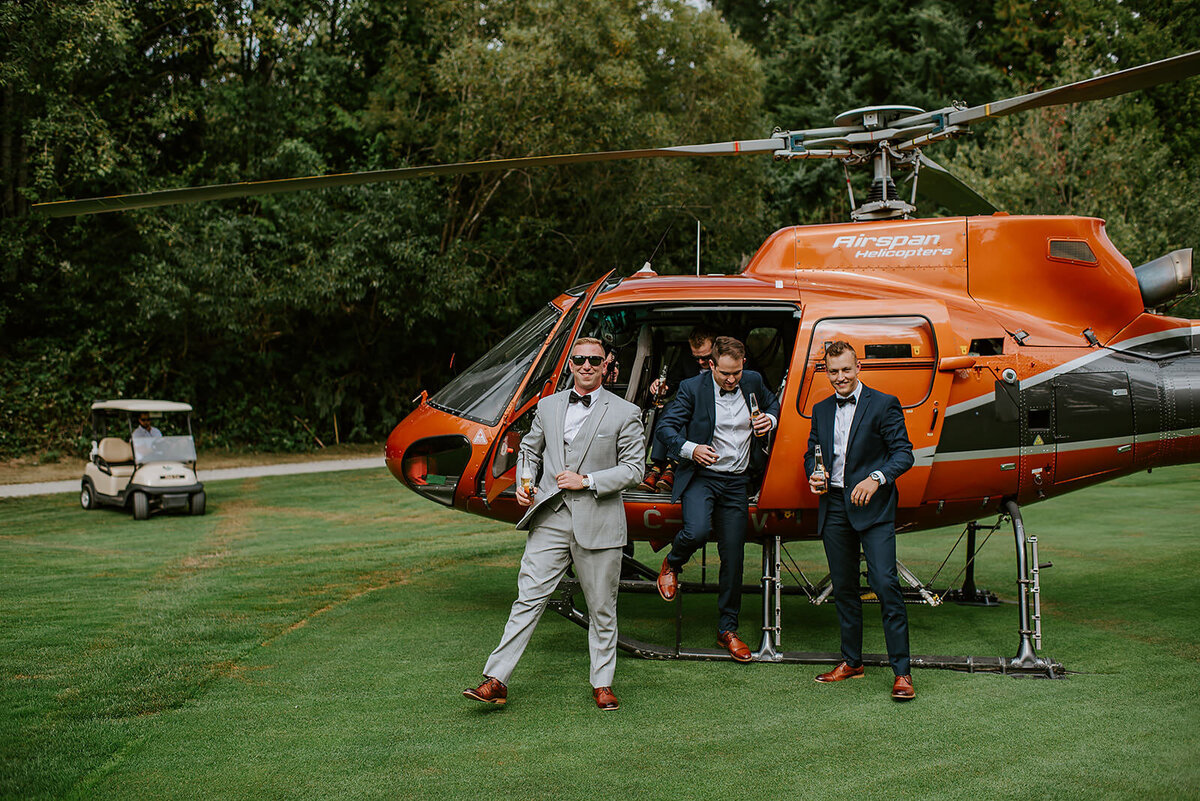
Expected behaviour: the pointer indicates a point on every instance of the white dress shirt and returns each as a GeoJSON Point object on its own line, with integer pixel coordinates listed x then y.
{"type": "Point", "coordinates": [842, 418]}
{"type": "Point", "coordinates": [731, 432]}
{"type": "Point", "coordinates": [141, 433]}
{"type": "Point", "coordinates": [577, 415]}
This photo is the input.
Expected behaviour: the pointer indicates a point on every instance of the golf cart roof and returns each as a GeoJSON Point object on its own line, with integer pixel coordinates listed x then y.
{"type": "Point", "coordinates": [137, 405]}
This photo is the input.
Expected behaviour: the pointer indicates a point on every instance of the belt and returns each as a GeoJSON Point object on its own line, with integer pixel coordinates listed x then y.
{"type": "Point", "coordinates": [721, 473]}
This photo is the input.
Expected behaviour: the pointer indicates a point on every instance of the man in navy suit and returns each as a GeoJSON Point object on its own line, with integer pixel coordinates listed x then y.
{"type": "Point", "coordinates": [865, 448]}
{"type": "Point", "coordinates": [710, 429]}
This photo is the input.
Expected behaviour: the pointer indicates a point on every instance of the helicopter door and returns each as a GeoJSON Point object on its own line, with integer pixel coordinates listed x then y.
{"type": "Point", "coordinates": [500, 471]}
{"type": "Point", "coordinates": [1093, 424]}
{"type": "Point", "coordinates": [899, 356]}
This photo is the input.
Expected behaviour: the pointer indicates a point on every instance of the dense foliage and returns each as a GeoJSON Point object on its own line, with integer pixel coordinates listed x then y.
{"type": "Point", "coordinates": [288, 317]}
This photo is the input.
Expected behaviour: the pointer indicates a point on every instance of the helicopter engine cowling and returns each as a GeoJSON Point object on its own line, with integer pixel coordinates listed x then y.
{"type": "Point", "coordinates": [1165, 278]}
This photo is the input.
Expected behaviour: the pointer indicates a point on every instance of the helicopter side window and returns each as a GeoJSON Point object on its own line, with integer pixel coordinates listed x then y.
{"type": "Point", "coordinates": [483, 391]}
{"type": "Point", "coordinates": [897, 354]}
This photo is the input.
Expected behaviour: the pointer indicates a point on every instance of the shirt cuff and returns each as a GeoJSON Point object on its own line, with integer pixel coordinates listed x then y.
{"type": "Point", "coordinates": [589, 482]}
{"type": "Point", "coordinates": [688, 449]}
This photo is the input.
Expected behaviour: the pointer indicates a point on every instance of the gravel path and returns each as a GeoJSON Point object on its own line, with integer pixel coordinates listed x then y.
{"type": "Point", "coordinates": [325, 466]}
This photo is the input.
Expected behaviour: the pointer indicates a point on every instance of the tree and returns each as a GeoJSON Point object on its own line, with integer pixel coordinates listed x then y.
{"type": "Point", "coordinates": [824, 58]}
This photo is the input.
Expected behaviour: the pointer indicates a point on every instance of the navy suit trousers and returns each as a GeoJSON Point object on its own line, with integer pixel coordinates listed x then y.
{"type": "Point", "coordinates": [878, 543]}
{"type": "Point", "coordinates": [716, 503]}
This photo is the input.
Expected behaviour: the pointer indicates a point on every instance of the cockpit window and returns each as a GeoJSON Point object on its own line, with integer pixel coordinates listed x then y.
{"type": "Point", "coordinates": [484, 390]}
{"type": "Point", "coordinates": [544, 370]}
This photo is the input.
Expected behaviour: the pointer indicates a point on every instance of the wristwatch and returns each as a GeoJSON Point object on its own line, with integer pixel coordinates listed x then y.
{"type": "Point", "coordinates": [878, 476]}
{"type": "Point", "coordinates": [589, 482]}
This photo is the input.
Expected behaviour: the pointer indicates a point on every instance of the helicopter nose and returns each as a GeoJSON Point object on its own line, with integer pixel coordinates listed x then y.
{"type": "Point", "coordinates": [430, 466]}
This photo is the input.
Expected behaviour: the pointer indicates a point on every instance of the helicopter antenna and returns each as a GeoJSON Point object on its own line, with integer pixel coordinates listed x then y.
{"type": "Point", "coordinates": [697, 246]}
{"type": "Point", "coordinates": [661, 239]}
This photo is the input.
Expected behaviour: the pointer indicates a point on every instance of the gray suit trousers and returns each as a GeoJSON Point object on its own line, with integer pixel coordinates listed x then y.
{"type": "Point", "coordinates": [551, 547]}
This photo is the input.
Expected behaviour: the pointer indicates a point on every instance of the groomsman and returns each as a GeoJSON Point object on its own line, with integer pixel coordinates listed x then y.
{"type": "Point", "coordinates": [866, 448]}
{"type": "Point", "coordinates": [722, 443]}
{"type": "Point", "coordinates": [588, 445]}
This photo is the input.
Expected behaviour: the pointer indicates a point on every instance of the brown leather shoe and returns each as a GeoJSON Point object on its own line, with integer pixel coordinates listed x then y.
{"type": "Point", "coordinates": [666, 482]}
{"type": "Point", "coordinates": [650, 479]}
{"type": "Point", "coordinates": [733, 643]}
{"type": "Point", "coordinates": [605, 698]}
{"type": "Point", "coordinates": [668, 581]}
{"type": "Point", "coordinates": [903, 690]}
{"type": "Point", "coordinates": [492, 691]}
{"type": "Point", "coordinates": [841, 673]}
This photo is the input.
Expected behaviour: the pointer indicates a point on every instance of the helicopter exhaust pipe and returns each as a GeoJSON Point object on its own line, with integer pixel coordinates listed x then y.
{"type": "Point", "coordinates": [1165, 278]}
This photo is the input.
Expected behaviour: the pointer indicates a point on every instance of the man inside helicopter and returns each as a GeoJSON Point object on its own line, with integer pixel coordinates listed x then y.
{"type": "Point", "coordinates": [660, 474]}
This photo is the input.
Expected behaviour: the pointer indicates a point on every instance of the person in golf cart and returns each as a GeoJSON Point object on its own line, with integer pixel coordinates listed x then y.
{"type": "Point", "coordinates": [145, 428]}
{"type": "Point", "coordinates": [133, 465]}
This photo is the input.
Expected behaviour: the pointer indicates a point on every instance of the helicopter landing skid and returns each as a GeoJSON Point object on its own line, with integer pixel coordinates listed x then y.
{"type": "Point", "coordinates": [640, 578]}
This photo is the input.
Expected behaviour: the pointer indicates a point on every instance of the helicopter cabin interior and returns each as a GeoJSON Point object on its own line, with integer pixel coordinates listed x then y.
{"type": "Point", "coordinates": [648, 339]}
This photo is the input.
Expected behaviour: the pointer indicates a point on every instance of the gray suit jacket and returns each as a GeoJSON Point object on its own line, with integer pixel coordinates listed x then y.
{"type": "Point", "coordinates": [610, 448]}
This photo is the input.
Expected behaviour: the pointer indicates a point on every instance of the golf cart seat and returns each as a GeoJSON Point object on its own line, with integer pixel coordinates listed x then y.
{"type": "Point", "coordinates": [115, 457]}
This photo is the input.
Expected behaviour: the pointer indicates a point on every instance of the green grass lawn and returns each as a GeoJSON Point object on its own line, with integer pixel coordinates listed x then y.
{"type": "Point", "coordinates": [310, 636]}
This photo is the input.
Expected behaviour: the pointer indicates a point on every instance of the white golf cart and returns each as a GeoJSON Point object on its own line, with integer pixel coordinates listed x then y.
{"type": "Point", "coordinates": [134, 464]}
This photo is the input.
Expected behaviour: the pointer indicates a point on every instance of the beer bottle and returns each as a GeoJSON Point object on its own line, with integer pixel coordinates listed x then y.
{"type": "Point", "coordinates": [755, 412]}
{"type": "Point", "coordinates": [526, 475]}
{"type": "Point", "coordinates": [661, 396]}
{"type": "Point", "coordinates": [820, 470]}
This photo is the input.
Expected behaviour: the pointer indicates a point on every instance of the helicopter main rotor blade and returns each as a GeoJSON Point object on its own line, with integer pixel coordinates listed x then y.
{"type": "Point", "coordinates": [944, 187]}
{"type": "Point", "coordinates": [1115, 83]}
{"type": "Point", "coordinates": [172, 197]}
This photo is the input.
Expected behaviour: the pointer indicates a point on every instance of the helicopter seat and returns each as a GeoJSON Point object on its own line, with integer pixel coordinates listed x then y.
{"type": "Point", "coordinates": [115, 457]}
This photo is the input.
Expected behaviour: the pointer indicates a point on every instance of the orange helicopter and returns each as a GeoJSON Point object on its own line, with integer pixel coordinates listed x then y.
{"type": "Point", "coordinates": [1026, 351]}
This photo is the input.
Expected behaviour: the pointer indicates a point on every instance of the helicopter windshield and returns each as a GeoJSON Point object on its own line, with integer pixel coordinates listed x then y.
{"type": "Point", "coordinates": [482, 392]}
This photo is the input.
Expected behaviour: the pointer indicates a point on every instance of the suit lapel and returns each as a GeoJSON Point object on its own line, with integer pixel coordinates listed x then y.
{"type": "Point", "coordinates": [557, 448]}
{"type": "Point", "coordinates": [825, 428]}
{"type": "Point", "coordinates": [759, 443]}
{"type": "Point", "coordinates": [583, 440]}
{"type": "Point", "coordinates": [746, 391]}
{"type": "Point", "coordinates": [708, 396]}
{"type": "Point", "coordinates": [860, 414]}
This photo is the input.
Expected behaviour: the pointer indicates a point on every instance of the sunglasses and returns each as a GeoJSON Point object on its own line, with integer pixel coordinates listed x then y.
{"type": "Point", "coordinates": [594, 361]}
{"type": "Point", "coordinates": [704, 359]}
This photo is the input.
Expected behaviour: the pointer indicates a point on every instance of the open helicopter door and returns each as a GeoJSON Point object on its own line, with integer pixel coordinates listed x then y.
{"type": "Point", "coordinates": [900, 355]}
{"type": "Point", "coordinates": [500, 468]}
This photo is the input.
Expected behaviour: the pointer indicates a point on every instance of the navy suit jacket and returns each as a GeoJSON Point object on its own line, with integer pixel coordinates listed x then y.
{"type": "Point", "coordinates": [878, 441]}
{"type": "Point", "coordinates": [691, 417]}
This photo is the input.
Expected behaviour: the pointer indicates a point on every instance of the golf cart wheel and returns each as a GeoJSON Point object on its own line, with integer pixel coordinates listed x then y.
{"type": "Point", "coordinates": [141, 506]}
{"type": "Point", "coordinates": [87, 495]}
{"type": "Point", "coordinates": [196, 503]}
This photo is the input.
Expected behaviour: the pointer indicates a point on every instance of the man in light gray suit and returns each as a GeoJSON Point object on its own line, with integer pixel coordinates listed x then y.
{"type": "Point", "coordinates": [588, 445]}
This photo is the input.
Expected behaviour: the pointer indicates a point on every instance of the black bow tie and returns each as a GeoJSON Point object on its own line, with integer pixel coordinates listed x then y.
{"type": "Point", "coordinates": [843, 401]}
{"type": "Point", "coordinates": [725, 392]}
{"type": "Point", "coordinates": [586, 400]}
